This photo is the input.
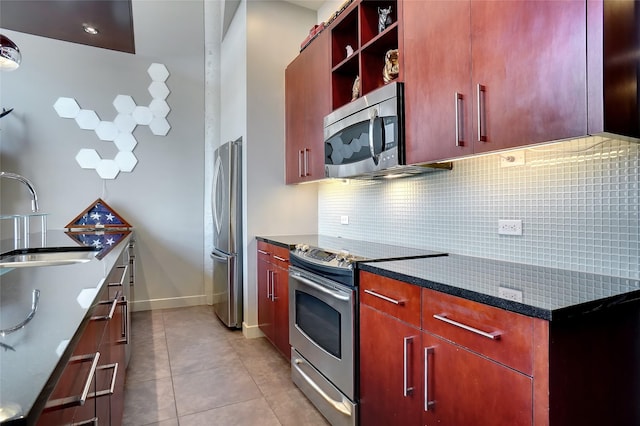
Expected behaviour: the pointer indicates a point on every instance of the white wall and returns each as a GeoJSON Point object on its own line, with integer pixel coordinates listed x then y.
{"type": "Point", "coordinates": [162, 197]}
{"type": "Point", "coordinates": [262, 39]}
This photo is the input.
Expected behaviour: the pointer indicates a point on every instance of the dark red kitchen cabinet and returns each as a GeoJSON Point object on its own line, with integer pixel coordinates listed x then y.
{"type": "Point", "coordinates": [390, 370]}
{"type": "Point", "coordinates": [482, 76]}
{"type": "Point", "coordinates": [464, 388]}
{"type": "Point", "coordinates": [437, 70]}
{"type": "Point", "coordinates": [273, 295]}
{"type": "Point", "coordinates": [307, 101]}
{"type": "Point", "coordinates": [529, 72]}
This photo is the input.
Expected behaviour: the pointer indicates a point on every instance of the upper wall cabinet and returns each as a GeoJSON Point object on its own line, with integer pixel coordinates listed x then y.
{"type": "Point", "coordinates": [307, 101]}
{"type": "Point", "coordinates": [484, 75]}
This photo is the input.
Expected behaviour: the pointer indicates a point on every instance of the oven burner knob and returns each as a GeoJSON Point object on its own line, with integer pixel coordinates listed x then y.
{"type": "Point", "coordinates": [302, 247]}
{"type": "Point", "coordinates": [343, 256]}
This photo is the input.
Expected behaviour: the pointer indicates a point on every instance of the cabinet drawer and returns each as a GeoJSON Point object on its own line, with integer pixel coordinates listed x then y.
{"type": "Point", "coordinates": [280, 256]}
{"type": "Point", "coordinates": [273, 254]}
{"type": "Point", "coordinates": [501, 335]}
{"type": "Point", "coordinates": [264, 251]}
{"type": "Point", "coordinates": [393, 297]}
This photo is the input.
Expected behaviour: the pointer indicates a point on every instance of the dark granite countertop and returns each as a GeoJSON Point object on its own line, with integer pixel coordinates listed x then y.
{"type": "Point", "coordinates": [33, 354]}
{"type": "Point", "coordinates": [547, 293]}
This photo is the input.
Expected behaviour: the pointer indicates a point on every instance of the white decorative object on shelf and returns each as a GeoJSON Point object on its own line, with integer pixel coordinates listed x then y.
{"type": "Point", "coordinates": [120, 130]}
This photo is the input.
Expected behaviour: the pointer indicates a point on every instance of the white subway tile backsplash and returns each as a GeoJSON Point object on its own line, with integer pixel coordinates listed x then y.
{"type": "Point", "coordinates": [578, 202]}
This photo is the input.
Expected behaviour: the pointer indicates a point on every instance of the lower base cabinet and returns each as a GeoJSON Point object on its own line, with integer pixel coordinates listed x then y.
{"type": "Point", "coordinates": [391, 370]}
{"type": "Point", "coordinates": [273, 295]}
{"type": "Point", "coordinates": [464, 388]}
{"type": "Point", "coordinates": [466, 363]}
{"type": "Point", "coordinates": [90, 390]}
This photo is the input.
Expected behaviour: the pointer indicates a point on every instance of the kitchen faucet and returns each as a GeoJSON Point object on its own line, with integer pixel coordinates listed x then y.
{"type": "Point", "coordinates": [27, 182]}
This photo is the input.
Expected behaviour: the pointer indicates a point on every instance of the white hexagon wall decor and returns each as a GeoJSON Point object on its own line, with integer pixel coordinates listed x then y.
{"type": "Point", "coordinates": [120, 130]}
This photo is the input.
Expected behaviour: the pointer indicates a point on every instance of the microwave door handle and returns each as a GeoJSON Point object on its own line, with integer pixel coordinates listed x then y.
{"type": "Point", "coordinates": [372, 121]}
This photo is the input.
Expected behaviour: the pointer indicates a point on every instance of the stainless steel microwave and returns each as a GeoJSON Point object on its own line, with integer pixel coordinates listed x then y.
{"type": "Point", "coordinates": [367, 135]}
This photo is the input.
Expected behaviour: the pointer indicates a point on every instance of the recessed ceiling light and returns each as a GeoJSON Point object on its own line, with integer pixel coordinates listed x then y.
{"type": "Point", "coordinates": [90, 29]}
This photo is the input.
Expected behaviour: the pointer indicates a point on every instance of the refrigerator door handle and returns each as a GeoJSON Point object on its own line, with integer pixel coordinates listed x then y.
{"type": "Point", "coordinates": [216, 210]}
{"type": "Point", "coordinates": [220, 257]}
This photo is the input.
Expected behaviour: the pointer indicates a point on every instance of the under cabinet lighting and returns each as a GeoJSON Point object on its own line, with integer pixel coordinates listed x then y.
{"type": "Point", "coordinates": [10, 56]}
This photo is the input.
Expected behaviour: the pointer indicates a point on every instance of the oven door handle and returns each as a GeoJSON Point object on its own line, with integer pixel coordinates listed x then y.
{"type": "Point", "coordinates": [338, 405]}
{"type": "Point", "coordinates": [321, 288]}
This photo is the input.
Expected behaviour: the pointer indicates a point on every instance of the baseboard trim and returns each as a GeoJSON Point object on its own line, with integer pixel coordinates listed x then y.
{"type": "Point", "coordinates": [168, 303]}
{"type": "Point", "coordinates": [251, 331]}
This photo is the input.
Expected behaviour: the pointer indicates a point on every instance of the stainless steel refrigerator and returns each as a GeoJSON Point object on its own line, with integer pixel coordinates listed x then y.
{"type": "Point", "coordinates": [226, 207]}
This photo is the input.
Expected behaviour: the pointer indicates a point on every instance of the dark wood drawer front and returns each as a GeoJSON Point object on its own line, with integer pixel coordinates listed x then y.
{"type": "Point", "coordinates": [280, 256]}
{"type": "Point", "coordinates": [264, 251]}
{"type": "Point", "coordinates": [395, 298]}
{"type": "Point", "coordinates": [504, 336]}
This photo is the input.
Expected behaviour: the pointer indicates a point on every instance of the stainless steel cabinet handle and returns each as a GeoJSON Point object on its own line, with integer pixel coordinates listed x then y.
{"type": "Point", "coordinates": [341, 406]}
{"type": "Point", "coordinates": [71, 401]}
{"type": "Point", "coordinates": [300, 161]}
{"type": "Point", "coordinates": [89, 422]}
{"type": "Point", "coordinates": [125, 321]}
{"type": "Point", "coordinates": [268, 284]}
{"type": "Point", "coordinates": [407, 390]}
{"type": "Point", "coordinates": [263, 252]}
{"type": "Point", "coordinates": [112, 310]}
{"type": "Point", "coordinates": [459, 99]}
{"type": "Point", "coordinates": [109, 391]}
{"type": "Point", "coordinates": [281, 259]}
{"type": "Point", "coordinates": [482, 136]}
{"type": "Point", "coordinates": [305, 158]}
{"type": "Point", "coordinates": [383, 297]}
{"type": "Point", "coordinates": [273, 286]}
{"type": "Point", "coordinates": [427, 403]}
{"type": "Point", "coordinates": [493, 335]}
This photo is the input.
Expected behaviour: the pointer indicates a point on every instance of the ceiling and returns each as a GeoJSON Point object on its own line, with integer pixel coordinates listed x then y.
{"type": "Point", "coordinates": [309, 4]}
{"type": "Point", "coordinates": [64, 19]}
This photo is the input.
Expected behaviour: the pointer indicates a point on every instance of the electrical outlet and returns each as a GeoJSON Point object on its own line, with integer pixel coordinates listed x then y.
{"type": "Point", "coordinates": [510, 159]}
{"type": "Point", "coordinates": [510, 227]}
{"type": "Point", "coordinates": [510, 294]}
{"type": "Point", "coordinates": [344, 220]}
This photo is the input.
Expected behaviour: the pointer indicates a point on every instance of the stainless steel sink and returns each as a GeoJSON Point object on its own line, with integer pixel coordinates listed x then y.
{"type": "Point", "coordinates": [27, 258]}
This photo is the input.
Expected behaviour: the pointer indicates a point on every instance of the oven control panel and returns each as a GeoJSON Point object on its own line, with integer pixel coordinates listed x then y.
{"type": "Point", "coordinates": [338, 259]}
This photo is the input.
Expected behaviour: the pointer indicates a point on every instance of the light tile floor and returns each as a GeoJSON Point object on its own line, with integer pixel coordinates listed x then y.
{"type": "Point", "coordinates": [188, 369]}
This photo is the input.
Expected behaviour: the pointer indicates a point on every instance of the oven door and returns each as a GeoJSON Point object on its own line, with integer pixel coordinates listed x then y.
{"type": "Point", "coordinates": [321, 326]}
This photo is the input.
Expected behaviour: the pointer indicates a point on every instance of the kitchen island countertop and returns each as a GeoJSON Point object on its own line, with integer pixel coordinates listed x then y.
{"type": "Point", "coordinates": [32, 357]}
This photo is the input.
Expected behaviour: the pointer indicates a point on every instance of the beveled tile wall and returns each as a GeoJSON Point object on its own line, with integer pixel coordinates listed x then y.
{"type": "Point", "coordinates": [578, 201]}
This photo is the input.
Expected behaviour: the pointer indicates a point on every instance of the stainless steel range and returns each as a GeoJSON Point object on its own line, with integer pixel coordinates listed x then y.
{"type": "Point", "coordinates": [323, 326]}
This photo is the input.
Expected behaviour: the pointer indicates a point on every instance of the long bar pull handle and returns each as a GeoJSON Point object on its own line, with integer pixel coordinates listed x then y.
{"type": "Point", "coordinates": [263, 252]}
{"type": "Point", "coordinates": [111, 388]}
{"type": "Point", "coordinates": [482, 136]}
{"type": "Point", "coordinates": [305, 158]}
{"type": "Point", "coordinates": [124, 333]}
{"type": "Point", "coordinates": [300, 161]}
{"type": "Point", "coordinates": [459, 138]}
{"type": "Point", "coordinates": [71, 401]}
{"type": "Point", "coordinates": [383, 297]}
{"type": "Point", "coordinates": [340, 406]}
{"type": "Point", "coordinates": [273, 286]}
{"type": "Point", "coordinates": [281, 259]}
{"type": "Point", "coordinates": [493, 335]}
{"type": "Point", "coordinates": [269, 285]}
{"type": "Point", "coordinates": [427, 403]}
{"type": "Point", "coordinates": [112, 310]}
{"type": "Point", "coordinates": [406, 389]}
